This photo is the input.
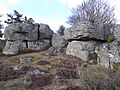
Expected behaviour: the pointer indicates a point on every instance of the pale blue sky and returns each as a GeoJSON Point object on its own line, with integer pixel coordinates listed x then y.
{"type": "Point", "coordinates": [51, 12]}
{"type": "Point", "coordinates": [46, 9]}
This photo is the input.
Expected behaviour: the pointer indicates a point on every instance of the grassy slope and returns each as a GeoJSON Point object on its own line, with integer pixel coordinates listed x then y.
{"type": "Point", "coordinates": [69, 73]}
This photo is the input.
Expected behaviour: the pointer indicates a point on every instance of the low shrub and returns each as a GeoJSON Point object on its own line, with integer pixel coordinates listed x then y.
{"type": "Point", "coordinates": [67, 73]}
{"type": "Point", "coordinates": [39, 80]}
{"type": "Point", "coordinates": [110, 38]}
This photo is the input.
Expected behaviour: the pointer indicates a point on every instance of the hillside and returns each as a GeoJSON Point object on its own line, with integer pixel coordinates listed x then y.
{"type": "Point", "coordinates": [62, 72]}
{"type": "Point", "coordinates": [86, 57]}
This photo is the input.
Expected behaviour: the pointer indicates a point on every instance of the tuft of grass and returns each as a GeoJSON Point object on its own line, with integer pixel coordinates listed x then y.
{"type": "Point", "coordinates": [46, 67]}
{"type": "Point", "coordinates": [93, 72]}
{"type": "Point", "coordinates": [16, 59]}
{"type": "Point", "coordinates": [27, 50]}
{"type": "Point", "coordinates": [116, 65]}
{"type": "Point", "coordinates": [110, 38]}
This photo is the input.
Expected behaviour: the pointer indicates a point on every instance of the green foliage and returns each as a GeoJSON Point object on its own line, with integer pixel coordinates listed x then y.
{"type": "Point", "coordinates": [110, 38]}
{"type": "Point", "coordinates": [61, 30]}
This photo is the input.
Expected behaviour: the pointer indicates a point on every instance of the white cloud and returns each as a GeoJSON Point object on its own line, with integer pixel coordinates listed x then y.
{"type": "Point", "coordinates": [5, 6]}
{"type": "Point", "coordinates": [12, 2]}
{"type": "Point", "coordinates": [116, 3]}
{"type": "Point", "coordinates": [9, 2]}
{"type": "Point", "coordinates": [3, 9]}
{"type": "Point", "coordinates": [71, 3]}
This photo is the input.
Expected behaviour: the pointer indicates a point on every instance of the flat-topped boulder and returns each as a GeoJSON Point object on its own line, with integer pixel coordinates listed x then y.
{"type": "Point", "coordinates": [23, 36]}
{"type": "Point", "coordinates": [86, 30]}
{"type": "Point", "coordinates": [21, 31]}
{"type": "Point", "coordinates": [27, 31]}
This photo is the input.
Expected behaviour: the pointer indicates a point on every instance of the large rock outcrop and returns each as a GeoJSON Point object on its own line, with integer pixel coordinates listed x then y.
{"type": "Point", "coordinates": [32, 36]}
{"type": "Point", "coordinates": [108, 53]}
{"type": "Point", "coordinates": [82, 49]}
{"type": "Point", "coordinates": [85, 29]}
{"type": "Point", "coordinates": [84, 37]}
{"type": "Point", "coordinates": [21, 31]}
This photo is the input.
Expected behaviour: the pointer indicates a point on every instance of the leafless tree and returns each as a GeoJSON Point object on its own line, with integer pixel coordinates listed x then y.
{"type": "Point", "coordinates": [95, 11]}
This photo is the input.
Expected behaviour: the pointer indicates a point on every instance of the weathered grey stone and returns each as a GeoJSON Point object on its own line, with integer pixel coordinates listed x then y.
{"type": "Point", "coordinates": [12, 48]}
{"type": "Point", "coordinates": [82, 49]}
{"type": "Point", "coordinates": [58, 41]}
{"type": "Point", "coordinates": [9, 31]}
{"type": "Point", "coordinates": [45, 32]}
{"type": "Point", "coordinates": [39, 45]}
{"type": "Point", "coordinates": [117, 32]}
{"type": "Point", "coordinates": [2, 44]}
{"type": "Point", "coordinates": [25, 60]}
{"type": "Point", "coordinates": [31, 31]}
{"type": "Point", "coordinates": [85, 29]}
{"type": "Point", "coordinates": [1, 34]}
{"type": "Point", "coordinates": [21, 31]}
{"type": "Point", "coordinates": [108, 53]}
{"type": "Point", "coordinates": [17, 68]}
{"type": "Point", "coordinates": [52, 51]}
{"type": "Point", "coordinates": [37, 71]}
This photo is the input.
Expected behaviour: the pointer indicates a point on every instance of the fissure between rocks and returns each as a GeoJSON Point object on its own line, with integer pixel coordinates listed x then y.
{"type": "Point", "coordinates": [86, 39]}
{"type": "Point", "coordinates": [38, 33]}
{"type": "Point", "coordinates": [26, 42]}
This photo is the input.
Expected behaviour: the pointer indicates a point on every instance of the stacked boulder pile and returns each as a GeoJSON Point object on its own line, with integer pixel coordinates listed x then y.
{"type": "Point", "coordinates": [26, 35]}
{"type": "Point", "coordinates": [93, 43]}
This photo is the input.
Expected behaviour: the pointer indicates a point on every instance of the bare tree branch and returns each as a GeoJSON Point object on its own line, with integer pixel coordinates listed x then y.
{"type": "Point", "coordinates": [95, 11]}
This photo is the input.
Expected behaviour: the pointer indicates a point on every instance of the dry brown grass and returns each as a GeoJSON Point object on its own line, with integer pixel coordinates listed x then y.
{"type": "Point", "coordinates": [68, 71]}
{"type": "Point", "coordinates": [39, 80]}
{"type": "Point", "coordinates": [15, 59]}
